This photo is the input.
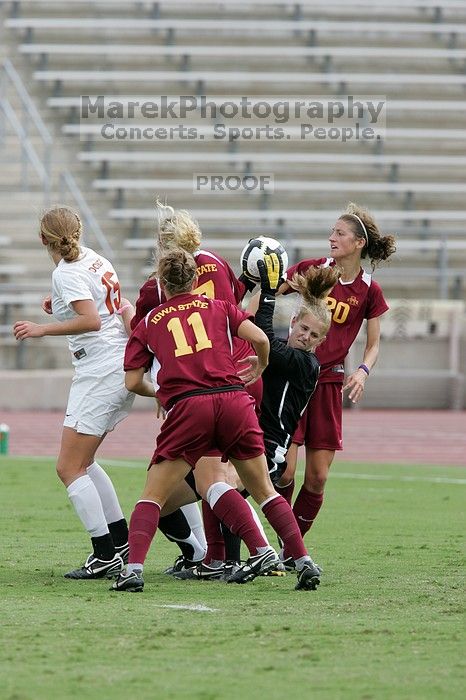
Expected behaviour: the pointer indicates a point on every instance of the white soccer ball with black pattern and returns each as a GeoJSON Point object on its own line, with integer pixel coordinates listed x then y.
{"type": "Point", "coordinates": [255, 250]}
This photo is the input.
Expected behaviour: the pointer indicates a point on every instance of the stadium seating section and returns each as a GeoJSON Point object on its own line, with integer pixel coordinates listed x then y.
{"type": "Point", "coordinates": [409, 56]}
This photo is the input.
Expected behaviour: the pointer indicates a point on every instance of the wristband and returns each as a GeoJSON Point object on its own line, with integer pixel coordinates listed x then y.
{"type": "Point", "coordinates": [365, 369]}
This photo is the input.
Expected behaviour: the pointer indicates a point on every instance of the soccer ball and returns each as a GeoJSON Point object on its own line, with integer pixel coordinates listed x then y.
{"type": "Point", "coordinates": [255, 250]}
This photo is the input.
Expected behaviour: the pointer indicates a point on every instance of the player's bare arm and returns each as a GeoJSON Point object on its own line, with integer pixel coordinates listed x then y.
{"type": "Point", "coordinates": [126, 312]}
{"type": "Point", "coordinates": [356, 381]}
{"type": "Point", "coordinates": [136, 382]}
{"type": "Point", "coordinates": [87, 319]}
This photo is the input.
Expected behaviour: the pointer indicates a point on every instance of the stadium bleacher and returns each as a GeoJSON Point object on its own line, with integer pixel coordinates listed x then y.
{"type": "Point", "coordinates": [411, 174]}
{"type": "Point", "coordinates": [175, 26]}
{"type": "Point", "coordinates": [188, 51]}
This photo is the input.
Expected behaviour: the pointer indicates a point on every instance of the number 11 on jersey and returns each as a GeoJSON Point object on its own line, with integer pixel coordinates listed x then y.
{"type": "Point", "coordinates": [181, 342]}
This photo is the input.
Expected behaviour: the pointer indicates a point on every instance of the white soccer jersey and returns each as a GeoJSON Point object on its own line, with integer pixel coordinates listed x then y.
{"type": "Point", "coordinates": [90, 277]}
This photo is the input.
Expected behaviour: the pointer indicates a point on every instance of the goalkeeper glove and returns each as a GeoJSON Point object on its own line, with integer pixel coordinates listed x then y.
{"type": "Point", "coordinates": [269, 271]}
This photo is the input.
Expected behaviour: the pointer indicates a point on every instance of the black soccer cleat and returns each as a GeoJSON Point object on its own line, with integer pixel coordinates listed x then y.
{"type": "Point", "coordinates": [97, 568]}
{"type": "Point", "coordinates": [131, 582]}
{"type": "Point", "coordinates": [180, 564]}
{"type": "Point", "coordinates": [288, 564]}
{"type": "Point", "coordinates": [230, 567]}
{"type": "Point", "coordinates": [278, 570]}
{"type": "Point", "coordinates": [255, 566]}
{"type": "Point", "coordinates": [308, 577]}
{"type": "Point", "coordinates": [123, 551]}
{"type": "Point", "coordinates": [201, 572]}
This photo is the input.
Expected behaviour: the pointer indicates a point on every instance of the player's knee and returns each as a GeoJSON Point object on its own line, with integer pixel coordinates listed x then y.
{"type": "Point", "coordinates": [68, 472]}
{"type": "Point", "coordinates": [61, 472]}
{"type": "Point", "coordinates": [287, 476]}
{"type": "Point", "coordinates": [315, 482]}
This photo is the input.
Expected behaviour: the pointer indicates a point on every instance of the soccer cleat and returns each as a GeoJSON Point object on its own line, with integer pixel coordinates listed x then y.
{"type": "Point", "coordinates": [278, 570]}
{"type": "Point", "coordinates": [123, 551]}
{"type": "Point", "coordinates": [230, 567]}
{"type": "Point", "coordinates": [308, 577]}
{"type": "Point", "coordinates": [180, 564]}
{"type": "Point", "coordinates": [255, 566]}
{"type": "Point", "coordinates": [131, 582]}
{"type": "Point", "coordinates": [288, 564]}
{"type": "Point", "coordinates": [97, 568]}
{"type": "Point", "coordinates": [201, 572]}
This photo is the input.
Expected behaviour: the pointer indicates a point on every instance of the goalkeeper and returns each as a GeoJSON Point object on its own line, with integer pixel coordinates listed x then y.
{"type": "Point", "coordinates": [291, 376]}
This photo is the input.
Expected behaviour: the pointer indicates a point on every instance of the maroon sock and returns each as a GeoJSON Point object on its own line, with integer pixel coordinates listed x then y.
{"type": "Point", "coordinates": [142, 528]}
{"type": "Point", "coordinates": [280, 516]}
{"type": "Point", "coordinates": [286, 491]}
{"type": "Point", "coordinates": [232, 509]}
{"type": "Point", "coordinates": [213, 535]}
{"type": "Point", "coordinates": [306, 507]}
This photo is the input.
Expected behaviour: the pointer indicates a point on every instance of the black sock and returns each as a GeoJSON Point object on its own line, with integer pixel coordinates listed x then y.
{"type": "Point", "coordinates": [232, 544]}
{"type": "Point", "coordinates": [119, 532]}
{"type": "Point", "coordinates": [175, 527]}
{"type": "Point", "coordinates": [103, 547]}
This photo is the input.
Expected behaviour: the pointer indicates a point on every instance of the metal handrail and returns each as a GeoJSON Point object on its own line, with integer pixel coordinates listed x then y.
{"type": "Point", "coordinates": [29, 105]}
{"type": "Point", "coordinates": [29, 149]}
{"type": "Point", "coordinates": [29, 153]}
{"type": "Point", "coordinates": [29, 115]}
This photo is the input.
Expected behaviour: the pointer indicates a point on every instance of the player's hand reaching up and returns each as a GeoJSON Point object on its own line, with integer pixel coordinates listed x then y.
{"type": "Point", "coordinates": [269, 271]}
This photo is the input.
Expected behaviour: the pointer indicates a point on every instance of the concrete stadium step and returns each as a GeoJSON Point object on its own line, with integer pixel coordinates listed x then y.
{"type": "Point", "coordinates": [134, 265]}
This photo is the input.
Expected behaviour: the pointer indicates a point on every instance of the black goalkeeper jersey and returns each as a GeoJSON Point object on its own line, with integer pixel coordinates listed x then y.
{"type": "Point", "coordinates": [289, 381]}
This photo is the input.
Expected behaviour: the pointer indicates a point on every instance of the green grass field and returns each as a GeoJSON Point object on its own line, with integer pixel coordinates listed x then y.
{"type": "Point", "coordinates": [387, 621]}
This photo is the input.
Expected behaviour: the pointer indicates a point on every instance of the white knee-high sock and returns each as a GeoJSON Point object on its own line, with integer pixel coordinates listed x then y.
{"type": "Point", "coordinates": [216, 491]}
{"type": "Point", "coordinates": [198, 551]}
{"type": "Point", "coordinates": [88, 506]}
{"type": "Point", "coordinates": [193, 516]}
{"type": "Point", "coordinates": [107, 493]}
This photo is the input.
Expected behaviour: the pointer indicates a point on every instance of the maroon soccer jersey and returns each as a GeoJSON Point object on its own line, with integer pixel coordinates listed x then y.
{"type": "Point", "coordinates": [350, 303]}
{"type": "Point", "coordinates": [187, 343]}
{"type": "Point", "coordinates": [216, 280]}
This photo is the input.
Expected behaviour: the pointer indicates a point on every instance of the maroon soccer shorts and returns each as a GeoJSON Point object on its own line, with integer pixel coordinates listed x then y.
{"type": "Point", "coordinates": [320, 425]}
{"type": "Point", "coordinates": [255, 390]}
{"type": "Point", "coordinates": [197, 425]}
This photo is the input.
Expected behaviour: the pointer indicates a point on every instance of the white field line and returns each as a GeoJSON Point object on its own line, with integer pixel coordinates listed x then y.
{"type": "Point", "coordinates": [195, 608]}
{"type": "Point", "coordinates": [133, 464]}
{"type": "Point", "coordinates": [125, 463]}
{"type": "Point", "coordinates": [386, 477]}
{"type": "Point", "coordinates": [342, 475]}
{"type": "Point", "coordinates": [339, 475]}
